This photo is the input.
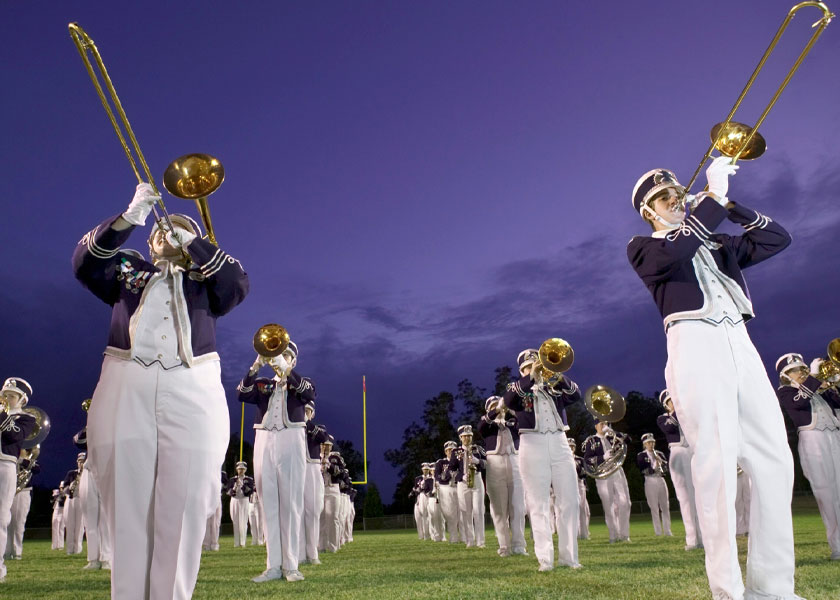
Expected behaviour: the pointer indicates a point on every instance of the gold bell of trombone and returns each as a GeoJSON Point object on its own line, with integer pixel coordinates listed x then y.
{"type": "Point", "coordinates": [556, 356]}
{"type": "Point", "coordinates": [195, 177]}
{"type": "Point", "coordinates": [271, 340]}
{"type": "Point", "coordinates": [605, 403]}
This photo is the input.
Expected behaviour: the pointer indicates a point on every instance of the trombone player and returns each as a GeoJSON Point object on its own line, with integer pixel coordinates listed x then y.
{"type": "Point", "coordinates": [731, 416]}
{"type": "Point", "coordinates": [158, 424]}
{"type": "Point", "coordinates": [654, 466]}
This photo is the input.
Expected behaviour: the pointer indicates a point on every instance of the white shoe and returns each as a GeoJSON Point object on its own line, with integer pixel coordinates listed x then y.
{"type": "Point", "coordinates": [503, 552]}
{"type": "Point", "coordinates": [17, 557]}
{"type": "Point", "coordinates": [571, 566]}
{"type": "Point", "coordinates": [106, 566]}
{"type": "Point", "coordinates": [543, 568]}
{"type": "Point", "coordinates": [520, 551]}
{"type": "Point", "coordinates": [315, 561]}
{"type": "Point", "coordinates": [268, 575]}
{"type": "Point", "coordinates": [293, 575]}
{"type": "Point", "coordinates": [93, 565]}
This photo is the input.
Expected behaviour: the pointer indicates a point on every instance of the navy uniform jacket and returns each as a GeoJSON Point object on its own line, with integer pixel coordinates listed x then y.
{"type": "Point", "coordinates": [520, 399]}
{"type": "Point", "coordinates": [442, 473]}
{"type": "Point", "coordinates": [334, 470]}
{"type": "Point", "coordinates": [300, 391]}
{"type": "Point", "coordinates": [14, 429]}
{"type": "Point", "coordinates": [80, 439]}
{"type": "Point", "coordinates": [670, 426]}
{"type": "Point", "coordinates": [315, 436]}
{"type": "Point", "coordinates": [593, 449]}
{"type": "Point", "coordinates": [68, 480]}
{"type": "Point", "coordinates": [427, 486]}
{"type": "Point", "coordinates": [418, 485]}
{"type": "Point", "coordinates": [455, 463]}
{"type": "Point", "coordinates": [212, 287]}
{"type": "Point", "coordinates": [224, 480]}
{"type": "Point", "coordinates": [797, 402]}
{"type": "Point", "coordinates": [248, 486]}
{"type": "Point", "coordinates": [665, 267]}
{"type": "Point", "coordinates": [344, 485]}
{"type": "Point", "coordinates": [581, 473]}
{"type": "Point", "coordinates": [489, 430]}
{"type": "Point", "coordinates": [646, 467]}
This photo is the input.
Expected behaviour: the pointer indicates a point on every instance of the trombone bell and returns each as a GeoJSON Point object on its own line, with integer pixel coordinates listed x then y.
{"type": "Point", "coordinates": [194, 177]}
{"type": "Point", "coordinates": [605, 403]}
{"type": "Point", "coordinates": [833, 350]}
{"type": "Point", "coordinates": [271, 340]}
{"type": "Point", "coordinates": [731, 141]}
{"type": "Point", "coordinates": [556, 355]}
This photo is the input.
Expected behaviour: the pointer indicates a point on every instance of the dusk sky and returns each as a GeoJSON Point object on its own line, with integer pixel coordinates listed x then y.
{"type": "Point", "coordinates": [417, 190]}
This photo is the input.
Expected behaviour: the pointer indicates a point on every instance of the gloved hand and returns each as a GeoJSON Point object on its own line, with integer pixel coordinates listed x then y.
{"type": "Point", "coordinates": [717, 176]}
{"type": "Point", "coordinates": [281, 363]}
{"type": "Point", "coordinates": [257, 364]}
{"type": "Point", "coordinates": [474, 460]}
{"type": "Point", "coordinates": [179, 238]}
{"type": "Point", "coordinates": [141, 204]}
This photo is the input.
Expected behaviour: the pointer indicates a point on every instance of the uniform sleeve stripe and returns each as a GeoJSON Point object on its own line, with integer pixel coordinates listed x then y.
{"type": "Point", "coordinates": [97, 250]}
{"type": "Point", "coordinates": [217, 256]}
{"type": "Point", "coordinates": [244, 389]}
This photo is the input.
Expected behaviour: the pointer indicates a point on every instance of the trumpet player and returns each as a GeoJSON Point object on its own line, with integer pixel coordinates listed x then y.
{"type": "Point", "coordinates": [313, 493]}
{"type": "Point", "coordinates": [158, 424]}
{"type": "Point", "coordinates": [240, 487]}
{"type": "Point", "coordinates": [447, 492]}
{"type": "Point", "coordinates": [96, 525]}
{"type": "Point", "coordinates": [696, 279]}
{"type": "Point", "coordinates": [434, 523]}
{"type": "Point", "coordinates": [280, 456]}
{"type": "Point", "coordinates": [58, 518]}
{"type": "Point", "coordinates": [329, 540]}
{"type": "Point", "coordinates": [420, 519]}
{"type": "Point", "coordinates": [545, 460]}
{"type": "Point", "coordinates": [612, 489]}
{"type": "Point", "coordinates": [74, 513]}
{"type": "Point", "coordinates": [679, 464]}
{"type": "Point", "coordinates": [653, 465]}
{"type": "Point", "coordinates": [504, 485]}
{"type": "Point", "coordinates": [466, 462]}
{"type": "Point", "coordinates": [583, 533]}
{"type": "Point", "coordinates": [811, 405]}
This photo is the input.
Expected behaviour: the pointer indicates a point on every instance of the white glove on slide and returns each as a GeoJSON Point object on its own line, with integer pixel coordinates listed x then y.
{"type": "Point", "coordinates": [179, 238]}
{"type": "Point", "coordinates": [281, 363]}
{"type": "Point", "coordinates": [717, 176]}
{"type": "Point", "coordinates": [141, 204]}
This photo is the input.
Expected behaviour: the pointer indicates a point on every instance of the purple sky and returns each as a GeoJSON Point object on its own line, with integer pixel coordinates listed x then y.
{"type": "Point", "coordinates": [417, 190]}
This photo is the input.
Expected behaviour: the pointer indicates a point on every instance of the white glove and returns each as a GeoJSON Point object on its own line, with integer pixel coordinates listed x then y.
{"type": "Point", "coordinates": [179, 238]}
{"type": "Point", "coordinates": [281, 363]}
{"type": "Point", "coordinates": [717, 176]}
{"type": "Point", "coordinates": [257, 364]}
{"type": "Point", "coordinates": [141, 204]}
{"type": "Point", "coordinates": [474, 460]}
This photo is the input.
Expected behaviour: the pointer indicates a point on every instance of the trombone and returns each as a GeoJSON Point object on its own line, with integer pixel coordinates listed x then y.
{"type": "Point", "coordinates": [555, 358]}
{"type": "Point", "coordinates": [741, 141]}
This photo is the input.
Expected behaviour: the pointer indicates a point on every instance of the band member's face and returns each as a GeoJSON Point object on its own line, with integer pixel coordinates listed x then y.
{"type": "Point", "coordinates": [163, 248]}
{"type": "Point", "coordinates": [572, 447]}
{"type": "Point", "coordinates": [669, 406]}
{"type": "Point", "coordinates": [12, 398]}
{"type": "Point", "coordinates": [290, 358]}
{"type": "Point", "coordinates": [526, 370]}
{"type": "Point", "coordinates": [667, 206]}
{"type": "Point", "coordinates": [466, 439]}
{"type": "Point", "coordinates": [600, 427]}
{"type": "Point", "coordinates": [448, 452]}
{"type": "Point", "coordinates": [240, 471]}
{"type": "Point", "coordinates": [798, 375]}
{"type": "Point", "coordinates": [649, 445]}
{"type": "Point", "coordinates": [80, 462]}
{"type": "Point", "coordinates": [309, 412]}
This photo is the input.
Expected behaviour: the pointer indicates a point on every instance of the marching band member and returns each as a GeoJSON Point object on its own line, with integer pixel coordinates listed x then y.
{"type": "Point", "coordinates": [96, 525]}
{"type": "Point", "coordinates": [447, 492]}
{"type": "Point", "coordinates": [27, 467]}
{"type": "Point", "coordinates": [214, 521]}
{"type": "Point", "coordinates": [430, 503]}
{"type": "Point", "coordinates": [280, 457]}
{"type": "Point", "coordinates": [717, 380]}
{"type": "Point", "coordinates": [345, 488]}
{"type": "Point", "coordinates": [58, 518]}
{"type": "Point", "coordinates": [328, 540]}
{"type": "Point", "coordinates": [504, 485]}
{"type": "Point", "coordinates": [239, 488]}
{"type": "Point", "coordinates": [545, 460]}
{"type": "Point", "coordinates": [466, 462]}
{"type": "Point", "coordinates": [15, 427]}
{"type": "Point", "coordinates": [313, 495]}
{"type": "Point", "coordinates": [613, 490]}
{"type": "Point", "coordinates": [479, 509]}
{"type": "Point", "coordinates": [255, 519]}
{"type": "Point", "coordinates": [811, 405]}
{"type": "Point", "coordinates": [583, 533]}
{"type": "Point", "coordinates": [653, 465]}
{"type": "Point", "coordinates": [74, 513]}
{"type": "Point", "coordinates": [419, 508]}
{"type": "Point", "coordinates": [679, 464]}
{"type": "Point", "coordinates": [158, 424]}
{"type": "Point", "coordinates": [352, 517]}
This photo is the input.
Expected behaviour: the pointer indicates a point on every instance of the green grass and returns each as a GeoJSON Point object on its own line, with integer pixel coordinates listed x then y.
{"type": "Point", "coordinates": [395, 564]}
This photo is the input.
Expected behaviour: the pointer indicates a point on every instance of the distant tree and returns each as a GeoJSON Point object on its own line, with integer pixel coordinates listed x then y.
{"type": "Point", "coordinates": [503, 376]}
{"type": "Point", "coordinates": [373, 503]}
{"type": "Point", "coordinates": [353, 459]}
{"type": "Point", "coordinates": [472, 400]}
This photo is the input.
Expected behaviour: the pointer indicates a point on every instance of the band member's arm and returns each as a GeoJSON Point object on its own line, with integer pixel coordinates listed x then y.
{"type": "Point", "coordinates": [302, 385]}
{"type": "Point", "coordinates": [16, 428]}
{"type": "Point", "coordinates": [225, 279]}
{"type": "Point", "coordinates": [831, 396]}
{"type": "Point", "coordinates": [96, 257]}
{"type": "Point", "coordinates": [248, 486]}
{"type": "Point", "coordinates": [69, 478]}
{"type": "Point", "coordinates": [80, 439]}
{"type": "Point", "coordinates": [516, 392]}
{"type": "Point", "coordinates": [480, 455]}
{"type": "Point", "coordinates": [317, 433]}
{"type": "Point", "coordinates": [485, 426]}
{"type": "Point", "coordinates": [761, 239]}
{"type": "Point", "coordinates": [566, 391]}
{"type": "Point", "coordinates": [668, 425]}
{"type": "Point", "coordinates": [252, 388]}
{"type": "Point", "coordinates": [656, 259]}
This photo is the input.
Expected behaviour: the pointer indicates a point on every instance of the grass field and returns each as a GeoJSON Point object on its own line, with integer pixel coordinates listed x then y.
{"type": "Point", "coordinates": [395, 564]}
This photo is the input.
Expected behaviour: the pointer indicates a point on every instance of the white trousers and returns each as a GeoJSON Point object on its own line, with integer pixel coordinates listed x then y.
{"type": "Point", "coordinates": [479, 511]}
{"type": "Point", "coordinates": [679, 464]}
{"type": "Point", "coordinates": [98, 535]}
{"type": "Point", "coordinates": [330, 526]}
{"type": "Point", "coordinates": [656, 493]}
{"type": "Point", "coordinates": [507, 501]}
{"type": "Point", "coordinates": [58, 527]}
{"type": "Point", "coordinates": [583, 532]}
{"type": "Point", "coordinates": [819, 453]}
{"type": "Point", "coordinates": [352, 519]}
{"type": "Point", "coordinates": [449, 510]}
{"type": "Point", "coordinates": [211, 532]}
{"type": "Point", "coordinates": [546, 461]}
{"type": "Point", "coordinates": [730, 415]}
{"type": "Point", "coordinates": [156, 442]}
{"type": "Point", "coordinates": [8, 484]}
{"type": "Point", "coordinates": [20, 510]}
{"type": "Point", "coordinates": [255, 521]}
{"type": "Point", "coordinates": [345, 518]}
{"type": "Point", "coordinates": [239, 517]}
{"type": "Point", "coordinates": [615, 498]}
{"type": "Point", "coordinates": [742, 505]}
{"type": "Point", "coordinates": [435, 516]}
{"type": "Point", "coordinates": [279, 464]}
{"type": "Point", "coordinates": [419, 519]}
{"type": "Point", "coordinates": [74, 524]}
{"type": "Point", "coordinates": [466, 510]}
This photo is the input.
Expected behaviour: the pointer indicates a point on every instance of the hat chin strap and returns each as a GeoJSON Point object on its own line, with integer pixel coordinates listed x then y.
{"type": "Point", "coordinates": [655, 216]}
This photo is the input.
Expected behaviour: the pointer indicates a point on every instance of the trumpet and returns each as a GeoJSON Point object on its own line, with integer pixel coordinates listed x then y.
{"type": "Point", "coordinates": [555, 358]}
{"type": "Point", "coordinates": [272, 340]}
{"type": "Point", "coordinates": [741, 141]}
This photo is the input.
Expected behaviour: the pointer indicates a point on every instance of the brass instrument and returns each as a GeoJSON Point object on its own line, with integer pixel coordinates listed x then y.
{"type": "Point", "coordinates": [194, 176]}
{"type": "Point", "coordinates": [469, 476]}
{"type": "Point", "coordinates": [611, 464]}
{"type": "Point", "coordinates": [86, 404]}
{"type": "Point", "coordinates": [605, 403]}
{"type": "Point", "coordinates": [270, 341]}
{"type": "Point", "coordinates": [24, 476]}
{"type": "Point", "coordinates": [555, 357]}
{"type": "Point", "coordinates": [833, 351]}
{"type": "Point", "coordinates": [325, 454]}
{"type": "Point", "coordinates": [42, 427]}
{"type": "Point", "coordinates": [740, 141]}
